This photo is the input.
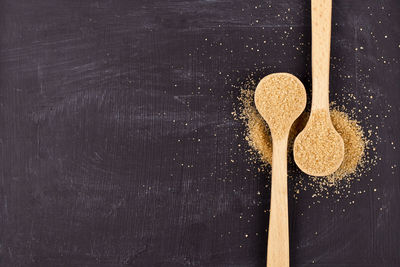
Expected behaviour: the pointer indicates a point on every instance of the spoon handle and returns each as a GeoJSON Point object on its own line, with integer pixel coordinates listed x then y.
{"type": "Point", "coordinates": [278, 233]}
{"type": "Point", "coordinates": [321, 17]}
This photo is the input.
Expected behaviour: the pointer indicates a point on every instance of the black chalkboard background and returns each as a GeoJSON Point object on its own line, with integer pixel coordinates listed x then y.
{"type": "Point", "coordinates": [118, 147]}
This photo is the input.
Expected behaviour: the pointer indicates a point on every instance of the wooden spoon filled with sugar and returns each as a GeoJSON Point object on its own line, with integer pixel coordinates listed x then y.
{"type": "Point", "coordinates": [280, 98]}
{"type": "Point", "coordinates": [319, 149]}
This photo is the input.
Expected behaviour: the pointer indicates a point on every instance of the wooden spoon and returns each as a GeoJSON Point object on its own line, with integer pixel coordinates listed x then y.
{"type": "Point", "coordinates": [280, 98]}
{"type": "Point", "coordinates": [319, 149]}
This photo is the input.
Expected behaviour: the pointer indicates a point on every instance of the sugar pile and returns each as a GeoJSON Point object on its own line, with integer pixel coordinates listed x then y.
{"type": "Point", "coordinates": [259, 138]}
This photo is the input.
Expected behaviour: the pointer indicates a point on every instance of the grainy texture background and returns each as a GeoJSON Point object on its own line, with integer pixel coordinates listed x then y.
{"type": "Point", "coordinates": [118, 147]}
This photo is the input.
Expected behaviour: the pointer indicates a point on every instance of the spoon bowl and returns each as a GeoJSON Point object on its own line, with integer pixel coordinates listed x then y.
{"type": "Point", "coordinates": [319, 149]}
{"type": "Point", "coordinates": [280, 98]}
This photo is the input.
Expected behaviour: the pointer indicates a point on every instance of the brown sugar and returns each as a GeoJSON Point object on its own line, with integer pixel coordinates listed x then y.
{"type": "Point", "coordinates": [258, 135]}
{"type": "Point", "coordinates": [319, 149]}
{"type": "Point", "coordinates": [354, 143]}
{"type": "Point", "coordinates": [280, 98]}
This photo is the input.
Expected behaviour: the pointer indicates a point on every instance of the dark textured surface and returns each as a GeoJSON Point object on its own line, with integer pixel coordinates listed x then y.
{"type": "Point", "coordinates": [118, 147]}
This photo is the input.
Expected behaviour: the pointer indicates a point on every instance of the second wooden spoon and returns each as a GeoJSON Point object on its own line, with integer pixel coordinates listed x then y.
{"type": "Point", "coordinates": [319, 149]}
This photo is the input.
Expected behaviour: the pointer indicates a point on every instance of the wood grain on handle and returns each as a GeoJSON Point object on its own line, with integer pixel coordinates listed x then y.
{"type": "Point", "coordinates": [278, 233]}
{"type": "Point", "coordinates": [321, 16]}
